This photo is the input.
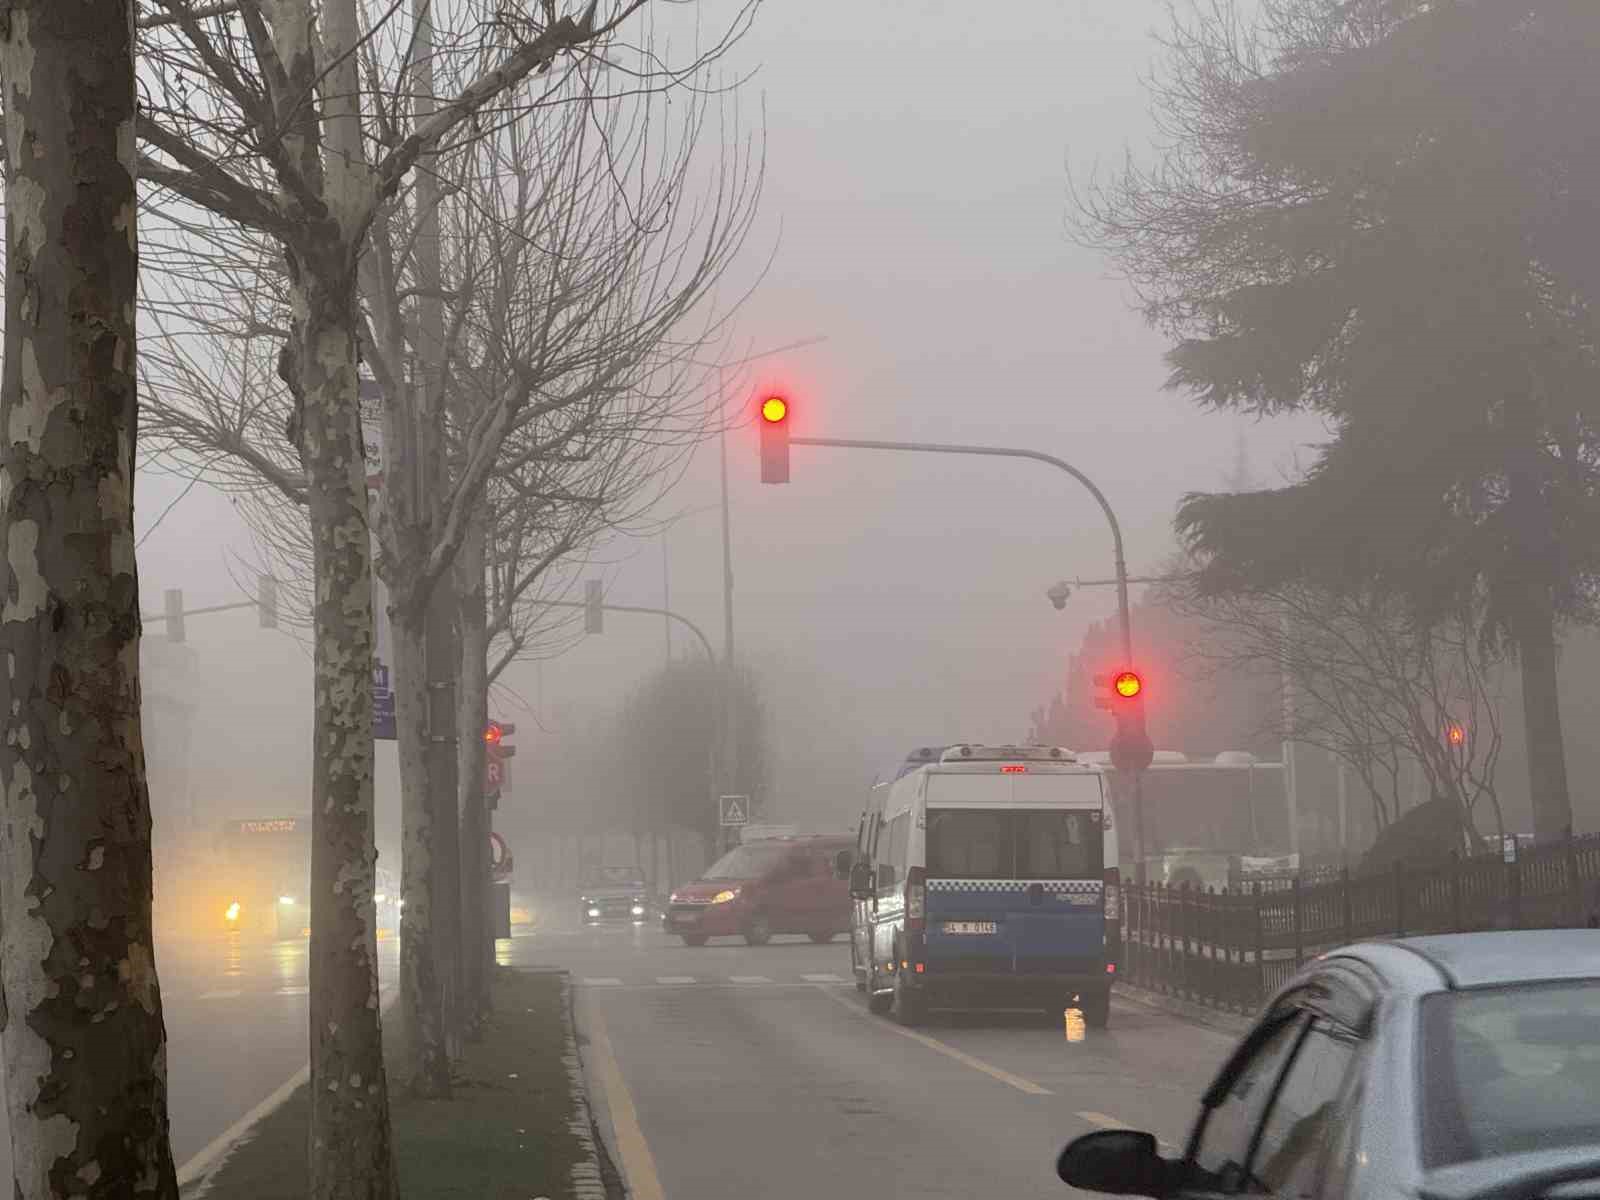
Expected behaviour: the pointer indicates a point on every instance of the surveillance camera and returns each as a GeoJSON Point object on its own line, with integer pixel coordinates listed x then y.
{"type": "Point", "coordinates": [1058, 595]}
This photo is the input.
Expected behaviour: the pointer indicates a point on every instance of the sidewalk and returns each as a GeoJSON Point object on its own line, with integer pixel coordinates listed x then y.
{"type": "Point", "coordinates": [517, 1126]}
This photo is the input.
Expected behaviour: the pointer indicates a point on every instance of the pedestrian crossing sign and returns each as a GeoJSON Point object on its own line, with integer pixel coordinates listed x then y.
{"type": "Point", "coordinates": [735, 810]}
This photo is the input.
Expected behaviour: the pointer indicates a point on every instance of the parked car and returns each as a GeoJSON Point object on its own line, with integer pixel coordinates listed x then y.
{"type": "Point", "coordinates": [777, 885]}
{"type": "Point", "coordinates": [1456, 1067]}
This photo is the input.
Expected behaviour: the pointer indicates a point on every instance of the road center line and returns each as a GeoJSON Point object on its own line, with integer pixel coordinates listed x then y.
{"type": "Point", "coordinates": [944, 1048]}
{"type": "Point", "coordinates": [638, 1164]}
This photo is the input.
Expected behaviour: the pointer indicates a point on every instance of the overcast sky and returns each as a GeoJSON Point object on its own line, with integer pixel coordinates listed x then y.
{"type": "Point", "coordinates": [917, 157]}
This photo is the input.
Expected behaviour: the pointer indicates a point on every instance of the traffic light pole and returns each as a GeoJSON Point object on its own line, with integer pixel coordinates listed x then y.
{"type": "Point", "coordinates": [1123, 618]}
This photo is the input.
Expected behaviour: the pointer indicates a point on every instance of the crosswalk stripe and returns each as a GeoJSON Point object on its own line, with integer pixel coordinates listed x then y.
{"type": "Point", "coordinates": [749, 979]}
{"type": "Point", "coordinates": [603, 981]}
{"type": "Point", "coordinates": [225, 994]}
{"type": "Point", "coordinates": [674, 978]}
{"type": "Point", "coordinates": [822, 978]}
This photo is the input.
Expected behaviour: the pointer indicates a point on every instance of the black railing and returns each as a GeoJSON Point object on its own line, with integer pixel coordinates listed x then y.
{"type": "Point", "coordinates": [1232, 948]}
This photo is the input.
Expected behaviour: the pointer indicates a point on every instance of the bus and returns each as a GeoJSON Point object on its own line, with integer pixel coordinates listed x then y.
{"type": "Point", "coordinates": [264, 877]}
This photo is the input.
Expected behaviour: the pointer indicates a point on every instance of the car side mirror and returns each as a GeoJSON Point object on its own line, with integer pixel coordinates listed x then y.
{"type": "Point", "coordinates": [861, 880]}
{"type": "Point", "coordinates": [842, 862]}
{"type": "Point", "coordinates": [885, 877]}
{"type": "Point", "coordinates": [1121, 1162]}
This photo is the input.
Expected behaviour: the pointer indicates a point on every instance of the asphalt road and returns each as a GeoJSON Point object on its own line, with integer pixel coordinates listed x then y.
{"type": "Point", "coordinates": [735, 1071]}
{"type": "Point", "coordinates": [236, 1021]}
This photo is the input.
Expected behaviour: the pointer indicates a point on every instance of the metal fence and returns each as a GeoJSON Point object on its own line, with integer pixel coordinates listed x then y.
{"type": "Point", "coordinates": [1233, 948]}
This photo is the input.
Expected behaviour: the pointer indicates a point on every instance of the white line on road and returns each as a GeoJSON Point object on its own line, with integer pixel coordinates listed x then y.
{"type": "Point", "coordinates": [674, 978]}
{"type": "Point", "coordinates": [949, 1051]}
{"type": "Point", "coordinates": [822, 978]}
{"type": "Point", "coordinates": [225, 994]}
{"type": "Point", "coordinates": [748, 979]}
{"type": "Point", "coordinates": [225, 1141]}
{"type": "Point", "coordinates": [603, 981]}
{"type": "Point", "coordinates": [293, 991]}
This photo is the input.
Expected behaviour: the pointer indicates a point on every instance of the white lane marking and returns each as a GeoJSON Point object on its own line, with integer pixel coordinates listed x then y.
{"type": "Point", "coordinates": [224, 994]}
{"type": "Point", "coordinates": [822, 978]}
{"type": "Point", "coordinates": [748, 979]}
{"type": "Point", "coordinates": [1103, 1121]}
{"type": "Point", "coordinates": [603, 981]}
{"type": "Point", "coordinates": [293, 991]}
{"type": "Point", "coordinates": [944, 1048]}
{"type": "Point", "coordinates": [674, 978]}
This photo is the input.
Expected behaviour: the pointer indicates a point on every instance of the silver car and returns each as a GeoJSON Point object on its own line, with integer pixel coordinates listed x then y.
{"type": "Point", "coordinates": [1452, 1067]}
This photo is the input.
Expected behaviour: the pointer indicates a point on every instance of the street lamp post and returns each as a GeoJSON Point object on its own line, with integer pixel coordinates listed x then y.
{"type": "Point", "coordinates": [1124, 620]}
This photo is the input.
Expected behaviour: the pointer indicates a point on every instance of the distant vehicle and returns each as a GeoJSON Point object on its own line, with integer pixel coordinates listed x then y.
{"type": "Point", "coordinates": [777, 885]}
{"type": "Point", "coordinates": [386, 899]}
{"type": "Point", "coordinates": [990, 880]}
{"type": "Point", "coordinates": [1461, 1067]}
{"type": "Point", "coordinates": [263, 879]}
{"type": "Point", "coordinates": [614, 894]}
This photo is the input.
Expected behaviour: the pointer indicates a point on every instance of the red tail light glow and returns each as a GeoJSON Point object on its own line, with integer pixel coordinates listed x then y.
{"type": "Point", "coordinates": [1014, 769]}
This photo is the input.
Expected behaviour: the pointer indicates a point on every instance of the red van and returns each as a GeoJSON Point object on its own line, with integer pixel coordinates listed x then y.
{"type": "Point", "coordinates": [781, 885]}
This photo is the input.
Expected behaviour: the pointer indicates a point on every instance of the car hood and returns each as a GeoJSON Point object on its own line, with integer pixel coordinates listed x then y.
{"type": "Point", "coordinates": [613, 891]}
{"type": "Point", "coordinates": [705, 889]}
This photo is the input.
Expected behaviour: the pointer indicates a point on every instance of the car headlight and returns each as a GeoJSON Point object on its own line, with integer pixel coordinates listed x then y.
{"type": "Point", "coordinates": [638, 910]}
{"type": "Point", "coordinates": [380, 898]}
{"type": "Point", "coordinates": [672, 899]}
{"type": "Point", "coordinates": [723, 897]}
{"type": "Point", "coordinates": [594, 912]}
{"type": "Point", "coordinates": [231, 913]}
{"type": "Point", "coordinates": [286, 901]}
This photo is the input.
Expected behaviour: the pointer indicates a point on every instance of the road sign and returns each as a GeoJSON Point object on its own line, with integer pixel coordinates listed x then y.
{"type": "Point", "coordinates": [494, 776]}
{"type": "Point", "coordinates": [383, 721]}
{"type": "Point", "coordinates": [735, 810]}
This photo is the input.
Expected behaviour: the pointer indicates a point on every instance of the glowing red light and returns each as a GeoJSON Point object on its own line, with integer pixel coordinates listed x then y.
{"type": "Point", "coordinates": [774, 409]}
{"type": "Point", "coordinates": [1014, 769]}
{"type": "Point", "coordinates": [1456, 735]}
{"type": "Point", "coordinates": [1111, 968]}
{"type": "Point", "coordinates": [493, 733]}
{"type": "Point", "coordinates": [1127, 684]}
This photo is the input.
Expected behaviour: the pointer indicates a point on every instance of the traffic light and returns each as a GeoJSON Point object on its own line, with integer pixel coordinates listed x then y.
{"type": "Point", "coordinates": [1122, 693]}
{"type": "Point", "coordinates": [774, 440]}
{"type": "Point", "coordinates": [267, 602]}
{"type": "Point", "coordinates": [495, 734]}
{"type": "Point", "coordinates": [1119, 690]}
{"type": "Point", "coordinates": [174, 612]}
{"type": "Point", "coordinates": [496, 772]}
{"type": "Point", "coordinates": [594, 620]}
{"type": "Point", "coordinates": [1456, 736]}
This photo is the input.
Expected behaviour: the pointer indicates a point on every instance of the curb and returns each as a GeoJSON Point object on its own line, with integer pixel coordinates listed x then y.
{"type": "Point", "coordinates": [589, 1177]}
{"type": "Point", "coordinates": [1187, 1010]}
{"type": "Point", "coordinates": [195, 1175]}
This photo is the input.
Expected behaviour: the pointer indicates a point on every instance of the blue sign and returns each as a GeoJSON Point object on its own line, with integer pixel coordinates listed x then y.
{"type": "Point", "coordinates": [383, 722]}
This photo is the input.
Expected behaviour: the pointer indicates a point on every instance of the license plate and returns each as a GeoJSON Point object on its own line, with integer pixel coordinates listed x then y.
{"type": "Point", "coordinates": [970, 927]}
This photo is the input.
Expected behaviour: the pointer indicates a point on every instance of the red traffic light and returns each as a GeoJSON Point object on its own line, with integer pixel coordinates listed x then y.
{"type": "Point", "coordinates": [774, 409]}
{"type": "Point", "coordinates": [1127, 684]}
{"type": "Point", "coordinates": [492, 733]}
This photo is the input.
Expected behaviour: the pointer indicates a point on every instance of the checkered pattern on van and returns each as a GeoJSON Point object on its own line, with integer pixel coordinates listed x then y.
{"type": "Point", "coordinates": [1070, 886]}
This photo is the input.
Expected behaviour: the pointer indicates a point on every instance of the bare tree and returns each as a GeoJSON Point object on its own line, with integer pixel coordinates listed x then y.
{"type": "Point", "coordinates": [85, 1047]}
{"type": "Point", "coordinates": [1371, 683]}
{"type": "Point", "coordinates": [258, 113]}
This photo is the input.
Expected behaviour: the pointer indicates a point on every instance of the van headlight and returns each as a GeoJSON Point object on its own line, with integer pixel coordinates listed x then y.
{"type": "Point", "coordinates": [594, 912]}
{"type": "Point", "coordinates": [638, 910]}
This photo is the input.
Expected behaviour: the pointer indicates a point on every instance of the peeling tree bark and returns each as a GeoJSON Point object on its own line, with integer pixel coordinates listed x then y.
{"type": "Point", "coordinates": [351, 1151]}
{"type": "Point", "coordinates": [85, 1044]}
